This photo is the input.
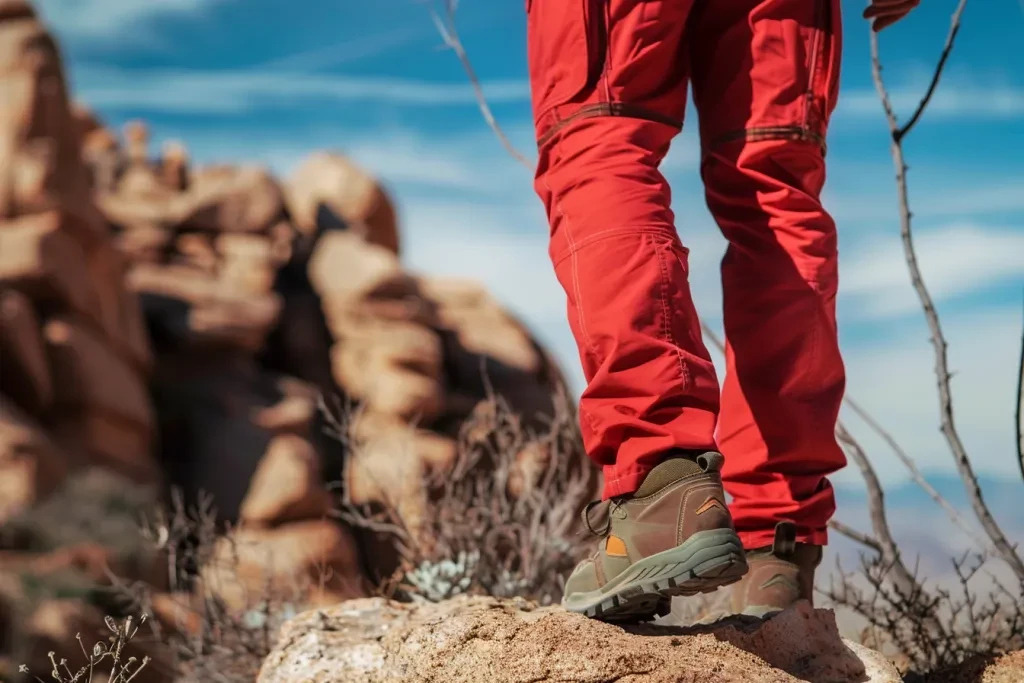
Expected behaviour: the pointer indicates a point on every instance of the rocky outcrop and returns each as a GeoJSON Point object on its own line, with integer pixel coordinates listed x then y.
{"type": "Point", "coordinates": [176, 326]}
{"type": "Point", "coordinates": [73, 347]}
{"type": "Point", "coordinates": [483, 639]}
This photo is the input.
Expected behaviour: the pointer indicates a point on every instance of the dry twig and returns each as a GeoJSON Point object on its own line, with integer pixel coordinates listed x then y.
{"type": "Point", "coordinates": [445, 23]}
{"type": "Point", "coordinates": [949, 430]}
{"type": "Point", "coordinates": [1020, 407]}
{"type": "Point", "coordinates": [916, 474]}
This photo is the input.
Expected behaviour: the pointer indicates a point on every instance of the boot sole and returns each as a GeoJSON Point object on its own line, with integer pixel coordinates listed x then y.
{"type": "Point", "coordinates": [704, 563]}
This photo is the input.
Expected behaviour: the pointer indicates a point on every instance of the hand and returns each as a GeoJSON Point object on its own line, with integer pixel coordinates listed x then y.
{"type": "Point", "coordinates": [888, 12]}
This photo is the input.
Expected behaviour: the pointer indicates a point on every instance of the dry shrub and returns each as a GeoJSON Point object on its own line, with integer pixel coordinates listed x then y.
{"type": "Point", "coordinates": [205, 639]}
{"type": "Point", "coordinates": [504, 521]}
{"type": "Point", "coordinates": [930, 628]}
{"type": "Point", "coordinates": [108, 659]}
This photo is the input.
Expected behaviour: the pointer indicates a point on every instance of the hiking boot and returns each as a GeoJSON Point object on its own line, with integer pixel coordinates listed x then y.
{"type": "Point", "coordinates": [780, 575]}
{"type": "Point", "coordinates": [673, 536]}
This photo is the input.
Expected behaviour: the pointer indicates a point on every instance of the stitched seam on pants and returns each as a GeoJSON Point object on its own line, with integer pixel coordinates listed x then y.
{"type": "Point", "coordinates": [608, 234]}
{"type": "Point", "coordinates": [759, 133]}
{"type": "Point", "coordinates": [576, 291]}
{"type": "Point", "coordinates": [684, 376]}
{"type": "Point", "coordinates": [575, 269]}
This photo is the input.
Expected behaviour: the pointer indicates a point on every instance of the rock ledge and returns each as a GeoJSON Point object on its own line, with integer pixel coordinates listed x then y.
{"type": "Point", "coordinates": [484, 639]}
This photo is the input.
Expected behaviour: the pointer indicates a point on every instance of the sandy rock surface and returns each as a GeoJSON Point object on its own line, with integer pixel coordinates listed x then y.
{"type": "Point", "coordinates": [483, 639]}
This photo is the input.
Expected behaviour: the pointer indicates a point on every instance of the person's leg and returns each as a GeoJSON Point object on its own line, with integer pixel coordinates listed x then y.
{"type": "Point", "coordinates": [609, 93]}
{"type": "Point", "coordinates": [609, 90]}
{"type": "Point", "coordinates": [765, 79]}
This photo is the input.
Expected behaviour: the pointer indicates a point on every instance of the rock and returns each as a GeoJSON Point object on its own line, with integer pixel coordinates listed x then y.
{"type": "Point", "coordinates": [174, 170]}
{"type": "Point", "coordinates": [145, 243]}
{"type": "Point", "coordinates": [305, 563]}
{"type": "Point", "coordinates": [26, 372]}
{"type": "Point", "coordinates": [294, 413]}
{"type": "Point", "coordinates": [40, 157]}
{"type": "Point", "coordinates": [477, 639]}
{"type": "Point", "coordinates": [91, 563]}
{"type": "Point", "coordinates": [396, 368]}
{"type": "Point", "coordinates": [344, 269]}
{"type": "Point", "coordinates": [87, 373]}
{"type": "Point", "coordinates": [119, 308]}
{"type": "Point", "coordinates": [186, 307]}
{"type": "Point", "coordinates": [177, 613]}
{"type": "Point", "coordinates": [40, 257]}
{"type": "Point", "coordinates": [247, 262]}
{"type": "Point", "coordinates": [196, 250]}
{"type": "Point", "coordinates": [103, 440]}
{"type": "Point", "coordinates": [327, 191]}
{"type": "Point", "coordinates": [224, 429]}
{"type": "Point", "coordinates": [482, 325]}
{"type": "Point", "coordinates": [16, 9]}
{"type": "Point", "coordinates": [287, 485]}
{"type": "Point", "coordinates": [232, 199]}
{"type": "Point", "coordinates": [32, 466]}
{"type": "Point", "coordinates": [394, 464]}
{"type": "Point", "coordinates": [1007, 668]}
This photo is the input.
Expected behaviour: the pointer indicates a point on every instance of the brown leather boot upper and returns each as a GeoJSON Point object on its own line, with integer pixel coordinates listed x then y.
{"type": "Point", "coordinates": [681, 501]}
{"type": "Point", "coordinates": [780, 575]}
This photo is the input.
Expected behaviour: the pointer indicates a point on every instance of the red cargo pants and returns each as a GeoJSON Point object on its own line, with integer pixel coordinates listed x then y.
{"type": "Point", "coordinates": [609, 81]}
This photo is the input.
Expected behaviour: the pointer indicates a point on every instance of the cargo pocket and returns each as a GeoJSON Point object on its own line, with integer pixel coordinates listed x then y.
{"type": "Point", "coordinates": [566, 48]}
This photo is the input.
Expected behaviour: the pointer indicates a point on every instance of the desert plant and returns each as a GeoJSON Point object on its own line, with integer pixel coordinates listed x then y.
{"type": "Point", "coordinates": [503, 520]}
{"type": "Point", "coordinates": [104, 656]}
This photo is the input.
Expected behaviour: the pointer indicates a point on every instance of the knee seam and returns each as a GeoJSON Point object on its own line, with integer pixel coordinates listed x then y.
{"type": "Point", "coordinates": [655, 230]}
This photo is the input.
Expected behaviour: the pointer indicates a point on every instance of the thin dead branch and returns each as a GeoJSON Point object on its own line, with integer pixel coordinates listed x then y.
{"type": "Point", "coordinates": [916, 474]}
{"type": "Point", "coordinates": [949, 430]}
{"type": "Point", "coordinates": [1020, 407]}
{"type": "Point", "coordinates": [900, 575]}
{"type": "Point", "coordinates": [854, 535]}
{"type": "Point", "coordinates": [445, 23]}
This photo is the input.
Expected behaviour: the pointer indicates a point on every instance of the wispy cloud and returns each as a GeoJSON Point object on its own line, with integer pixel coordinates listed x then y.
{"type": "Point", "coordinates": [292, 81]}
{"type": "Point", "coordinates": [951, 101]}
{"type": "Point", "coordinates": [230, 92]}
{"type": "Point", "coordinates": [108, 19]}
{"type": "Point", "coordinates": [343, 52]}
{"type": "Point", "coordinates": [956, 261]}
{"type": "Point", "coordinates": [892, 375]}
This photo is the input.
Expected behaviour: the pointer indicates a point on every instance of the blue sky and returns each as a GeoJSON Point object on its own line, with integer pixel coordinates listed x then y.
{"type": "Point", "coordinates": [258, 80]}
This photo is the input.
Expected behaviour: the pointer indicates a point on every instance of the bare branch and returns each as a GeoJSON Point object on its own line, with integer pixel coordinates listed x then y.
{"type": "Point", "coordinates": [915, 473]}
{"type": "Point", "coordinates": [450, 35]}
{"type": "Point", "coordinates": [949, 430]}
{"type": "Point", "coordinates": [947, 49]}
{"type": "Point", "coordinates": [1020, 407]}
{"type": "Point", "coordinates": [901, 576]}
{"type": "Point", "coordinates": [858, 536]}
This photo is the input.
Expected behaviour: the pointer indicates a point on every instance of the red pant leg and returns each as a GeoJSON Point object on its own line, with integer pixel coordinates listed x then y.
{"type": "Point", "coordinates": [609, 87]}
{"type": "Point", "coordinates": [765, 78]}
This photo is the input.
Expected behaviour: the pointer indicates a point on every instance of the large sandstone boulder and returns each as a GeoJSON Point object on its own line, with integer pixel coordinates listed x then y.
{"type": "Point", "coordinates": [483, 639]}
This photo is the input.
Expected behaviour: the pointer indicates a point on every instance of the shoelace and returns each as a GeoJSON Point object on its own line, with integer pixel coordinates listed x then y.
{"type": "Point", "coordinates": [600, 522]}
